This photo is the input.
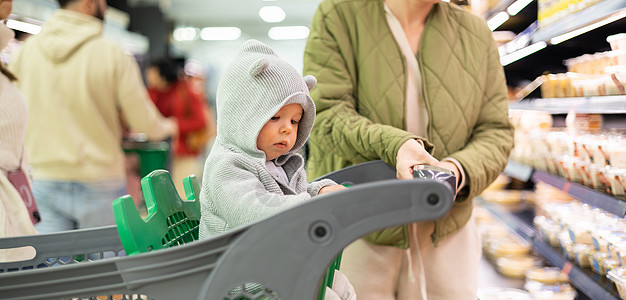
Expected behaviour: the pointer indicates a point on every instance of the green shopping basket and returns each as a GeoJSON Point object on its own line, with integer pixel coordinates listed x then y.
{"type": "Point", "coordinates": [171, 221]}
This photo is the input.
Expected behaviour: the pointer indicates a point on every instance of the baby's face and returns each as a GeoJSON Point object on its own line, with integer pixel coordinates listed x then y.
{"type": "Point", "coordinates": [279, 134]}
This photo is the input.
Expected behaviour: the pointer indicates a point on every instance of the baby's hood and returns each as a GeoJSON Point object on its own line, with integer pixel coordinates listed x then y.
{"type": "Point", "coordinates": [254, 86]}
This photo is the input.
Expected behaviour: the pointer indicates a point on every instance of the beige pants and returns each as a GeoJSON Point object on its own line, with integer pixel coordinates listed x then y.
{"type": "Point", "coordinates": [183, 166]}
{"type": "Point", "coordinates": [446, 272]}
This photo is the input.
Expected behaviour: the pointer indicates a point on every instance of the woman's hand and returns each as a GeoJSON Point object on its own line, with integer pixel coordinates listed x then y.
{"type": "Point", "coordinates": [412, 153]}
{"type": "Point", "coordinates": [331, 188]}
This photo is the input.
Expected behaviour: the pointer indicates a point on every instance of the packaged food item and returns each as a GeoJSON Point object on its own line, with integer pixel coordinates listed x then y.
{"type": "Point", "coordinates": [599, 242]}
{"type": "Point", "coordinates": [618, 276]}
{"type": "Point", "coordinates": [548, 229]}
{"type": "Point", "coordinates": [580, 232]}
{"type": "Point", "coordinates": [549, 275]}
{"type": "Point", "coordinates": [614, 183]}
{"type": "Point", "coordinates": [581, 254]}
{"type": "Point", "coordinates": [555, 291]}
{"type": "Point", "coordinates": [497, 293]}
{"type": "Point", "coordinates": [508, 246]}
{"type": "Point", "coordinates": [577, 122]}
{"type": "Point", "coordinates": [517, 265]}
{"type": "Point", "coordinates": [595, 260]}
{"type": "Point", "coordinates": [617, 41]}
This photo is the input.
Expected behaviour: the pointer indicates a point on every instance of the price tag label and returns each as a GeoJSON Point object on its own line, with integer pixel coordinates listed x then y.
{"type": "Point", "coordinates": [567, 268]}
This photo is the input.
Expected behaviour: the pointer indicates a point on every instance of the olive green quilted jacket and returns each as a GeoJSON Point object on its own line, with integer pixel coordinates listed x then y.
{"type": "Point", "coordinates": [360, 97]}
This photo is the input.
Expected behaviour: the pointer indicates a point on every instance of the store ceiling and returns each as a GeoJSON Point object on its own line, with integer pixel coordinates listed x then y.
{"type": "Point", "coordinates": [240, 13]}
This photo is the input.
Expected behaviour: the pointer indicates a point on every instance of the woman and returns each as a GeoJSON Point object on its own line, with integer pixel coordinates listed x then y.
{"type": "Point", "coordinates": [14, 216]}
{"type": "Point", "coordinates": [410, 82]}
{"type": "Point", "coordinates": [175, 98]}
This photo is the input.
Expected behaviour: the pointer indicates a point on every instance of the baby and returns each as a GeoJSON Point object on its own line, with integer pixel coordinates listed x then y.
{"type": "Point", "coordinates": [264, 115]}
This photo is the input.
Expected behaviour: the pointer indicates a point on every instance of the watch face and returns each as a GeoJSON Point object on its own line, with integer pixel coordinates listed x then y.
{"type": "Point", "coordinates": [436, 173]}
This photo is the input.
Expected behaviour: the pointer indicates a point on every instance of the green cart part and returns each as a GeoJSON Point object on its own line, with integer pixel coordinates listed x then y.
{"type": "Point", "coordinates": [152, 155]}
{"type": "Point", "coordinates": [171, 221]}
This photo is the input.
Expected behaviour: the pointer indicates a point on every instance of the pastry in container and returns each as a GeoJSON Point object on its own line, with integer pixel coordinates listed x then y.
{"type": "Point", "coordinates": [554, 291]}
{"type": "Point", "coordinates": [613, 181]}
{"type": "Point", "coordinates": [517, 265]}
{"type": "Point", "coordinates": [581, 254]}
{"type": "Point", "coordinates": [547, 275]}
{"type": "Point", "coordinates": [508, 246]}
{"type": "Point", "coordinates": [597, 261]}
{"type": "Point", "coordinates": [618, 276]}
{"type": "Point", "coordinates": [580, 232]}
{"type": "Point", "coordinates": [617, 41]}
{"type": "Point", "coordinates": [499, 293]}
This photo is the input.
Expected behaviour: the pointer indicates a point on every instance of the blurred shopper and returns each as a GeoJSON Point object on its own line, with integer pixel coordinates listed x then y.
{"type": "Point", "coordinates": [14, 215]}
{"type": "Point", "coordinates": [174, 97]}
{"type": "Point", "coordinates": [76, 84]}
{"type": "Point", "coordinates": [410, 82]}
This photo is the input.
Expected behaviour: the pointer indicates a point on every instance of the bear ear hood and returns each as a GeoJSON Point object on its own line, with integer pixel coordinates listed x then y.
{"type": "Point", "coordinates": [253, 87]}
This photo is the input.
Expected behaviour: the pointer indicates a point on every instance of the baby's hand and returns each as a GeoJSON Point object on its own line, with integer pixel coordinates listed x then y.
{"type": "Point", "coordinates": [331, 188]}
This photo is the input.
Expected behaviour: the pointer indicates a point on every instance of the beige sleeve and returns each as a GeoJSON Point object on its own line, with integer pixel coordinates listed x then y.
{"type": "Point", "coordinates": [139, 111]}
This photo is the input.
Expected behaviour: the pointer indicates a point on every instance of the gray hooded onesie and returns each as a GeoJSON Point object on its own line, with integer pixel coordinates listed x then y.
{"type": "Point", "coordinates": [238, 189]}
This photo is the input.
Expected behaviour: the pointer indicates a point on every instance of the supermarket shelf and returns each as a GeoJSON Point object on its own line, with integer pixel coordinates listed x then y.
{"type": "Point", "coordinates": [591, 284]}
{"type": "Point", "coordinates": [583, 193]}
{"type": "Point", "coordinates": [518, 171]}
{"type": "Point", "coordinates": [589, 105]}
{"type": "Point", "coordinates": [587, 16]}
{"type": "Point", "coordinates": [520, 222]}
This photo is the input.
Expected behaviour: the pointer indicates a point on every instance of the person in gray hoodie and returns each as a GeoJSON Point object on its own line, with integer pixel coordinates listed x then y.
{"type": "Point", "coordinates": [264, 115]}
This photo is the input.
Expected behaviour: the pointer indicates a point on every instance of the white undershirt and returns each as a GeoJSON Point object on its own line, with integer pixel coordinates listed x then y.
{"type": "Point", "coordinates": [416, 113]}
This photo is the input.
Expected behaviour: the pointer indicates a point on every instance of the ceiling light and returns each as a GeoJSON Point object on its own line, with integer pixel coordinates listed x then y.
{"type": "Point", "coordinates": [517, 6]}
{"type": "Point", "coordinates": [220, 33]}
{"type": "Point", "coordinates": [23, 26]}
{"type": "Point", "coordinates": [563, 37]}
{"type": "Point", "coordinates": [288, 32]}
{"type": "Point", "coordinates": [272, 14]}
{"type": "Point", "coordinates": [497, 20]}
{"type": "Point", "coordinates": [182, 34]}
{"type": "Point", "coordinates": [521, 53]}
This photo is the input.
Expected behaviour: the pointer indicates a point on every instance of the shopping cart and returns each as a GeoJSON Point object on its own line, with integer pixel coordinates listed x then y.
{"type": "Point", "coordinates": [285, 254]}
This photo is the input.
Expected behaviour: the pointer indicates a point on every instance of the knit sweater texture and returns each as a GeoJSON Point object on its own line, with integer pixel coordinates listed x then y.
{"type": "Point", "coordinates": [237, 187]}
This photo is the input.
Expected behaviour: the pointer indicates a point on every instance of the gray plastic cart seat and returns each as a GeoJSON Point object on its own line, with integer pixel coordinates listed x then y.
{"type": "Point", "coordinates": [287, 253]}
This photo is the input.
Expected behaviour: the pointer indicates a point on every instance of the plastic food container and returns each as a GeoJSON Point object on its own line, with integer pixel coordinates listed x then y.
{"type": "Point", "coordinates": [618, 276]}
{"type": "Point", "coordinates": [556, 291]}
{"type": "Point", "coordinates": [549, 275]}
{"type": "Point", "coordinates": [517, 265]}
{"type": "Point", "coordinates": [503, 294]}
{"type": "Point", "coordinates": [596, 262]}
{"type": "Point", "coordinates": [613, 177]}
{"type": "Point", "coordinates": [617, 41]}
{"type": "Point", "coordinates": [600, 243]}
{"type": "Point", "coordinates": [507, 247]}
{"type": "Point", "coordinates": [581, 254]}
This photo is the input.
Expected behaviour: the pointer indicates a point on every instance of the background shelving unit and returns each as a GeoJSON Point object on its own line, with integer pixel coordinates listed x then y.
{"type": "Point", "coordinates": [593, 285]}
{"type": "Point", "coordinates": [582, 193]}
{"type": "Point", "coordinates": [592, 24]}
{"type": "Point", "coordinates": [550, 59]}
